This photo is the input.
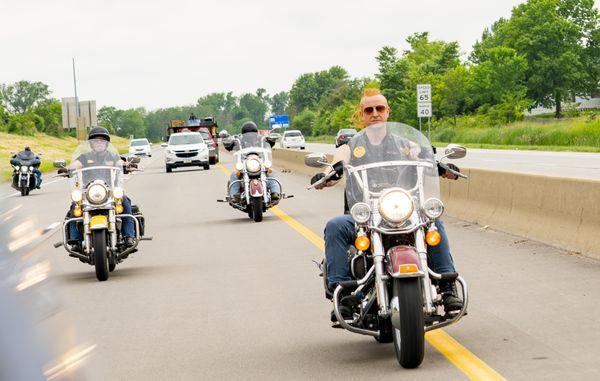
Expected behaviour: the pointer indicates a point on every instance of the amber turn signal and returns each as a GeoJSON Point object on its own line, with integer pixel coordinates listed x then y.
{"type": "Point", "coordinates": [362, 243]}
{"type": "Point", "coordinates": [269, 170]}
{"type": "Point", "coordinates": [409, 268]}
{"type": "Point", "coordinates": [238, 174]}
{"type": "Point", "coordinates": [77, 212]}
{"type": "Point", "coordinates": [433, 238]}
{"type": "Point", "coordinates": [119, 208]}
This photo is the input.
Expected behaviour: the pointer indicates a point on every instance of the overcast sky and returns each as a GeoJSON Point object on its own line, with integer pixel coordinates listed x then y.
{"type": "Point", "coordinates": [159, 53]}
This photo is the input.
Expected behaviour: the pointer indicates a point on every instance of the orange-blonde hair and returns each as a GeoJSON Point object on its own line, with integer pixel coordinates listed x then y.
{"type": "Point", "coordinates": [367, 92]}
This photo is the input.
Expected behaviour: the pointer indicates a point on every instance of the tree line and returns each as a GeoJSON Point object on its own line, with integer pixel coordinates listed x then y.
{"type": "Point", "coordinates": [546, 53]}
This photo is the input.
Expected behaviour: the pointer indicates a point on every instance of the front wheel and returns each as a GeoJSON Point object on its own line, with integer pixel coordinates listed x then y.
{"type": "Point", "coordinates": [168, 168]}
{"type": "Point", "coordinates": [100, 254]}
{"type": "Point", "coordinates": [257, 208]}
{"type": "Point", "coordinates": [24, 191]}
{"type": "Point", "coordinates": [206, 167]}
{"type": "Point", "coordinates": [409, 340]}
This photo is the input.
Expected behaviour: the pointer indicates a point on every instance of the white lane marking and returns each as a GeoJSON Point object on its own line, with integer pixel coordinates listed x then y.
{"type": "Point", "coordinates": [41, 186]}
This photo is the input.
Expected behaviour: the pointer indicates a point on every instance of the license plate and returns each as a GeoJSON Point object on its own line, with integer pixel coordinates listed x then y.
{"type": "Point", "coordinates": [187, 161]}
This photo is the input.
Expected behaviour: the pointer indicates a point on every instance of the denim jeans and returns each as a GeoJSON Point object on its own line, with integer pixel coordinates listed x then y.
{"type": "Point", "coordinates": [127, 227]}
{"type": "Point", "coordinates": [340, 233]}
{"type": "Point", "coordinates": [236, 188]}
{"type": "Point", "coordinates": [38, 177]}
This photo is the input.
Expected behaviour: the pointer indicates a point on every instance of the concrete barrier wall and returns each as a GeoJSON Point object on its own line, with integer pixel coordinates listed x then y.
{"type": "Point", "coordinates": [558, 211]}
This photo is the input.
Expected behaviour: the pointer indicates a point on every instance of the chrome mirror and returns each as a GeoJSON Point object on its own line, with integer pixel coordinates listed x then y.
{"type": "Point", "coordinates": [455, 151]}
{"type": "Point", "coordinates": [316, 160]}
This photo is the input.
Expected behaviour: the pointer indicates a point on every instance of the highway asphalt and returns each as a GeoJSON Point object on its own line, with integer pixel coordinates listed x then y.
{"type": "Point", "coordinates": [217, 296]}
{"type": "Point", "coordinates": [562, 164]}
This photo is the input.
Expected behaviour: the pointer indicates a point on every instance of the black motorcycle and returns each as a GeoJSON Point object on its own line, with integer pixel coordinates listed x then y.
{"type": "Point", "coordinates": [23, 179]}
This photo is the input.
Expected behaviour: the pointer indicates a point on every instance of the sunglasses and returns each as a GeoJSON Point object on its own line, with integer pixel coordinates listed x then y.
{"type": "Point", "coordinates": [369, 110]}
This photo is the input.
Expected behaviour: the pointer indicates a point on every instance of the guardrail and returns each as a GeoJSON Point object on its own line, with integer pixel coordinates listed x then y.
{"type": "Point", "coordinates": [562, 212]}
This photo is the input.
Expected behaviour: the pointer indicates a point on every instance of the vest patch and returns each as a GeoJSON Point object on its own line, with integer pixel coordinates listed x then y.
{"type": "Point", "coordinates": [359, 152]}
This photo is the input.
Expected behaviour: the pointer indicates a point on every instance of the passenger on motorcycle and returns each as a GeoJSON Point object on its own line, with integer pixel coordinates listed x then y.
{"type": "Point", "coordinates": [340, 232]}
{"type": "Point", "coordinates": [27, 155]}
{"type": "Point", "coordinates": [249, 139]}
{"type": "Point", "coordinates": [99, 156]}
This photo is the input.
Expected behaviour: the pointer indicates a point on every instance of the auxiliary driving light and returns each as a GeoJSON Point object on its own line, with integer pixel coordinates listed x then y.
{"type": "Point", "coordinates": [119, 209]}
{"type": "Point", "coordinates": [76, 195]}
{"type": "Point", "coordinates": [77, 212]}
{"type": "Point", "coordinates": [360, 212]}
{"type": "Point", "coordinates": [433, 208]}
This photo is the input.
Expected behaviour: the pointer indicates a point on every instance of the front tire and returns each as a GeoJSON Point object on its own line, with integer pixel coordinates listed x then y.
{"type": "Point", "coordinates": [206, 167]}
{"type": "Point", "coordinates": [257, 209]}
{"type": "Point", "coordinates": [169, 169]}
{"type": "Point", "coordinates": [409, 340]}
{"type": "Point", "coordinates": [100, 254]}
{"type": "Point", "coordinates": [24, 191]}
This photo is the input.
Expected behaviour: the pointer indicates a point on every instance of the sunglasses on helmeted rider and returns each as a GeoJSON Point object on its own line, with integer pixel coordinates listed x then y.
{"type": "Point", "coordinates": [370, 109]}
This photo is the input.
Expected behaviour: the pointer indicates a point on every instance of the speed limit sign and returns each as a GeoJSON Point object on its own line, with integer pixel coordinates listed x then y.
{"type": "Point", "coordinates": [424, 93]}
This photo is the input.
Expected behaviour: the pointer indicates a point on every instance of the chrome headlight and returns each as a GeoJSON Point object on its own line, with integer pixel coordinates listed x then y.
{"type": "Point", "coordinates": [239, 166]}
{"type": "Point", "coordinates": [31, 168]}
{"type": "Point", "coordinates": [97, 193]}
{"type": "Point", "coordinates": [76, 195]}
{"type": "Point", "coordinates": [433, 208]}
{"type": "Point", "coordinates": [396, 205]}
{"type": "Point", "coordinates": [253, 165]}
{"type": "Point", "coordinates": [24, 168]}
{"type": "Point", "coordinates": [360, 212]}
{"type": "Point", "coordinates": [118, 192]}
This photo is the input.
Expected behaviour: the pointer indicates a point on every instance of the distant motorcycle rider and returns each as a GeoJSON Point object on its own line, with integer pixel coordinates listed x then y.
{"type": "Point", "coordinates": [251, 138]}
{"type": "Point", "coordinates": [340, 231]}
{"type": "Point", "coordinates": [32, 160]}
{"type": "Point", "coordinates": [99, 139]}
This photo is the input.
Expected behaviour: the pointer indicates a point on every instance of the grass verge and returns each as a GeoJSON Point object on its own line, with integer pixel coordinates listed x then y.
{"type": "Point", "coordinates": [51, 147]}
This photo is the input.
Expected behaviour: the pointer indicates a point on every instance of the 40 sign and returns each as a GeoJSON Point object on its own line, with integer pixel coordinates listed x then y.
{"type": "Point", "coordinates": [424, 101]}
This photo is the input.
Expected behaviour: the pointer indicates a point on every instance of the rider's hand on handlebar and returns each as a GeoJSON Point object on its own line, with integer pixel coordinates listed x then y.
{"type": "Point", "coordinates": [447, 174]}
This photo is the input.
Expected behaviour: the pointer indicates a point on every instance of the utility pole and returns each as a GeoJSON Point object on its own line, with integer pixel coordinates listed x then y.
{"type": "Point", "coordinates": [81, 132]}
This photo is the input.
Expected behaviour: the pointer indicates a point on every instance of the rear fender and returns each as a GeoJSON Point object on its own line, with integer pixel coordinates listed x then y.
{"type": "Point", "coordinates": [404, 262]}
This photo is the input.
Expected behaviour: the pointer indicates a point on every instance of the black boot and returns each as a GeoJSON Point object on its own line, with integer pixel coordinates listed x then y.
{"type": "Point", "coordinates": [275, 197]}
{"type": "Point", "coordinates": [450, 296]}
{"type": "Point", "coordinates": [128, 242]}
{"type": "Point", "coordinates": [76, 246]}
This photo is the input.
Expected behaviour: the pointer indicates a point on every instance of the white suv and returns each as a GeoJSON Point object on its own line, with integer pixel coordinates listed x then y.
{"type": "Point", "coordinates": [140, 147]}
{"type": "Point", "coordinates": [293, 139]}
{"type": "Point", "coordinates": [186, 149]}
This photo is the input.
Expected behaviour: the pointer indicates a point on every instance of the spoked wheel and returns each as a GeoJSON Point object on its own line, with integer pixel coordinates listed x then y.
{"type": "Point", "coordinates": [257, 208]}
{"type": "Point", "coordinates": [409, 340]}
{"type": "Point", "coordinates": [100, 254]}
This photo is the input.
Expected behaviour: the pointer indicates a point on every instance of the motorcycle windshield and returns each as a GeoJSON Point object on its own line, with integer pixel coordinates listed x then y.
{"type": "Point", "coordinates": [390, 155]}
{"type": "Point", "coordinates": [96, 159]}
{"type": "Point", "coordinates": [27, 160]}
{"type": "Point", "coordinates": [252, 143]}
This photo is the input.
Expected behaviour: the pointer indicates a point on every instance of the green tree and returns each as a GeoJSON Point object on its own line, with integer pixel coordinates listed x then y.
{"type": "Point", "coordinates": [552, 36]}
{"type": "Point", "coordinates": [305, 121]}
{"type": "Point", "coordinates": [51, 113]}
{"type": "Point", "coordinates": [279, 103]}
{"type": "Point", "coordinates": [21, 96]}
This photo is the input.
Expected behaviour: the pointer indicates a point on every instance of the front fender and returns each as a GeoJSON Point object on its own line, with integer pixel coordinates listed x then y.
{"type": "Point", "coordinates": [404, 262]}
{"type": "Point", "coordinates": [256, 188]}
{"type": "Point", "coordinates": [98, 222]}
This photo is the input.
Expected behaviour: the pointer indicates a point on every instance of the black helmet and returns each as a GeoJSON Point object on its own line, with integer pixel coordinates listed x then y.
{"type": "Point", "coordinates": [27, 148]}
{"type": "Point", "coordinates": [249, 127]}
{"type": "Point", "coordinates": [99, 132]}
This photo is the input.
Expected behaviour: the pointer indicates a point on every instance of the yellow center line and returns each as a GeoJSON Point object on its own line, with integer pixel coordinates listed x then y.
{"type": "Point", "coordinates": [471, 365]}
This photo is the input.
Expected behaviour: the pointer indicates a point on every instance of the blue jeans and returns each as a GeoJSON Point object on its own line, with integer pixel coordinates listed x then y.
{"type": "Point", "coordinates": [127, 227]}
{"type": "Point", "coordinates": [340, 233]}
{"type": "Point", "coordinates": [236, 188]}
{"type": "Point", "coordinates": [38, 177]}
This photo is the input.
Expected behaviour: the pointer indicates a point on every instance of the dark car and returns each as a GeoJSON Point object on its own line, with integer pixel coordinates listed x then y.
{"type": "Point", "coordinates": [211, 142]}
{"type": "Point", "coordinates": [343, 136]}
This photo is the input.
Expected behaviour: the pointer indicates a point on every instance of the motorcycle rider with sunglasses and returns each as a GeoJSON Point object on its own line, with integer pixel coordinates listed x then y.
{"type": "Point", "coordinates": [340, 232]}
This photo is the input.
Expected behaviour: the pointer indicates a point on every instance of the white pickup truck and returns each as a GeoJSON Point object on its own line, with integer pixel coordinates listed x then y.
{"type": "Point", "coordinates": [186, 149]}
